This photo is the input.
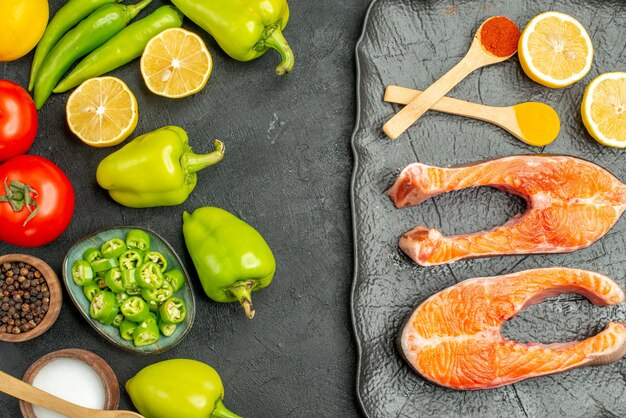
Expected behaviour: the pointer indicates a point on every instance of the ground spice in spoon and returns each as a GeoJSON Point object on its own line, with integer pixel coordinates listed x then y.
{"type": "Point", "coordinates": [499, 35]}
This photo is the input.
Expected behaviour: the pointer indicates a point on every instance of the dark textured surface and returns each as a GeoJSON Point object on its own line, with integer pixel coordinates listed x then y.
{"type": "Point", "coordinates": [286, 172]}
{"type": "Point", "coordinates": [412, 43]}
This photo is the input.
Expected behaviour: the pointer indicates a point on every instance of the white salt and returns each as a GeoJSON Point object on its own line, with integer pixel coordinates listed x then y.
{"type": "Point", "coordinates": [72, 380]}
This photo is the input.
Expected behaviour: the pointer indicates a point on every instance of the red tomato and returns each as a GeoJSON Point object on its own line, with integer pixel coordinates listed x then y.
{"type": "Point", "coordinates": [53, 195]}
{"type": "Point", "coordinates": [18, 120]}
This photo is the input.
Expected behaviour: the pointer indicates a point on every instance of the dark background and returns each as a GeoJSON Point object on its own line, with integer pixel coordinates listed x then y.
{"type": "Point", "coordinates": [286, 172]}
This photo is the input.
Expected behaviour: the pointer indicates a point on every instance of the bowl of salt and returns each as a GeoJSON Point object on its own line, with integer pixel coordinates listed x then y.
{"type": "Point", "coordinates": [76, 375]}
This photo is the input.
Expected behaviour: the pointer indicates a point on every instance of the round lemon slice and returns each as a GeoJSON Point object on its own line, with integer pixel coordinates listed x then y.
{"type": "Point", "coordinates": [603, 109]}
{"type": "Point", "coordinates": [555, 50]}
{"type": "Point", "coordinates": [102, 111]}
{"type": "Point", "coordinates": [176, 63]}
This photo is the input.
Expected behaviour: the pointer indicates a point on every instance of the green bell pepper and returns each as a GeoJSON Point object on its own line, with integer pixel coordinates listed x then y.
{"type": "Point", "coordinates": [155, 169]}
{"type": "Point", "coordinates": [244, 29]}
{"type": "Point", "coordinates": [232, 259]}
{"type": "Point", "coordinates": [178, 388]}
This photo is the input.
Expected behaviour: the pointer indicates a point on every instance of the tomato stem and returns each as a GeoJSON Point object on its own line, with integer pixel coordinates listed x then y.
{"type": "Point", "coordinates": [18, 196]}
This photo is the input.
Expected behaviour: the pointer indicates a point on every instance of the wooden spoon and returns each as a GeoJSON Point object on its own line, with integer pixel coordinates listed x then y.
{"type": "Point", "coordinates": [22, 390]}
{"type": "Point", "coordinates": [519, 120]}
{"type": "Point", "coordinates": [477, 56]}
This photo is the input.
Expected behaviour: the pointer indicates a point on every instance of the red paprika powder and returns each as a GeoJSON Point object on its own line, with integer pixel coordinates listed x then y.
{"type": "Point", "coordinates": [499, 35]}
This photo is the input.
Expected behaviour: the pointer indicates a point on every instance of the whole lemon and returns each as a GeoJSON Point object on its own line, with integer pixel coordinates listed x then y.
{"type": "Point", "coordinates": [23, 23]}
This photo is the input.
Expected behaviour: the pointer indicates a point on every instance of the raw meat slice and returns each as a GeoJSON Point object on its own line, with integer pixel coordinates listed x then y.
{"type": "Point", "coordinates": [571, 204]}
{"type": "Point", "coordinates": [453, 339]}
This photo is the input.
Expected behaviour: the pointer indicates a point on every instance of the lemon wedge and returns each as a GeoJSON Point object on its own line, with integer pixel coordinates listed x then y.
{"type": "Point", "coordinates": [555, 50]}
{"type": "Point", "coordinates": [102, 111]}
{"type": "Point", "coordinates": [603, 109]}
{"type": "Point", "coordinates": [176, 63]}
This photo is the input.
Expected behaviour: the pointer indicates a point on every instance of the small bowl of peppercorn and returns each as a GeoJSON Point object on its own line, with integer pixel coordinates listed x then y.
{"type": "Point", "coordinates": [30, 297]}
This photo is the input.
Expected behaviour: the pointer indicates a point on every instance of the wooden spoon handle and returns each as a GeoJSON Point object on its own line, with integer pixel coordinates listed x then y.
{"type": "Point", "coordinates": [418, 106]}
{"type": "Point", "coordinates": [22, 390]}
{"type": "Point", "coordinates": [403, 95]}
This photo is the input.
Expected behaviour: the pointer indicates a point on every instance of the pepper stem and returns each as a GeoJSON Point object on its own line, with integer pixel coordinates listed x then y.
{"type": "Point", "coordinates": [242, 291]}
{"type": "Point", "coordinates": [277, 41]}
{"type": "Point", "coordinates": [196, 162]}
{"type": "Point", "coordinates": [134, 9]}
{"type": "Point", "coordinates": [220, 411]}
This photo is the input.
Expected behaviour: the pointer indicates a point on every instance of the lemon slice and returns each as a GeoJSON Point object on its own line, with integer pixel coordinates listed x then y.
{"type": "Point", "coordinates": [555, 50]}
{"type": "Point", "coordinates": [176, 63]}
{"type": "Point", "coordinates": [102, 111]}
{"type": "Point", "coordinates": [604, 109]}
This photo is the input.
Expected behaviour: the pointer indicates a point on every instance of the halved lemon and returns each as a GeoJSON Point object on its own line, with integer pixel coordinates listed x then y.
{"type": "Point", "coordinates": [102, 111]}
{"type": "Point", "coordinates": [604, 109]}
{"type": "Point", "coordinates": [555, 50]}
{"type": "Point", "coordinates": [176, 63]}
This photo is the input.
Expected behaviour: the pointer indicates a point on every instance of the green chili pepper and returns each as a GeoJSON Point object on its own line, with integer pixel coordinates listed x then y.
{"type": "Point", "coordinates": [175, 279]}
{"type": "Point", "coordinates": [124, 47]}
{"type": "Point", "coordinates": [113, 248]}
{"type": "Point", "coordinates": [150, 276]}
{"type": "Point", "coordinates": [135, 309]}
{"type": "Point", "coordinates": [159, 295]}
{"type": "Point", "coordinates": [146, 333]}
{"type": "Point", "coordinates": [110, 318]}
{"type": "Point", "coordinates": [139, 240]}
{"type": "Point", "coordinates": [82, 273]}
{"type": "Point", "coordinates": [244, 29]}
{"type": "Point", "coordinates": [90, 290]}
{"type": "Point", "coordinates": [166, 329]}
{"type": "Point", "coordinates": [173, 311]}
{"type": "Point", "coordinates": [92, 254]}
{"type": "Point", "coordinates": [102, 284]}
{"type": "Point", "coordinates": [232, 259]}
{"type": "Point", "coordinates": [155, 169]}
{"type": "Point", "coordinates": [117, 322]}
{"type": "Point", "coordinates": [178, 388]}
{"type": "Point", "coordinates": [130, 259]}
{"type": "Point", "coordinates": [126, 329]}
{"type": "Point", "coordinates": [113, 279]}
{"type": "Point", "coordinates": [103, 264]}
{"type": "Point", "coordinates": [121, 297]}
{"type": "Point", "coordinates": [129, 278]}
{"type": "Point", "coordinates": [102, 305]}
{"type": "Point", "coordinates": [135, 291]}
{"type": "Point", "coordinates": [157, 258]}
{"type": "Point", "coordinates": [89, 34]}
{"type": "Point", "coordinates": [69, 15]}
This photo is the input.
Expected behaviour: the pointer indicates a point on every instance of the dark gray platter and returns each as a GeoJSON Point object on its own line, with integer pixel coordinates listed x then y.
{"type": "Point", "coordinates": [412, 43]}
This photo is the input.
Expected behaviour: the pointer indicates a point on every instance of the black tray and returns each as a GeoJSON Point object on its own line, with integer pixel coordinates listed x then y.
{"type": "Point", "coordinates": [412, 43]}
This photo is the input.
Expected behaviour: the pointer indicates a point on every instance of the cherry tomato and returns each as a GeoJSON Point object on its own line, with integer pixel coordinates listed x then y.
{"type": "Point", "coordinates": [18, 120]}
{"type": "Point", "coordinates": [48, 209]}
